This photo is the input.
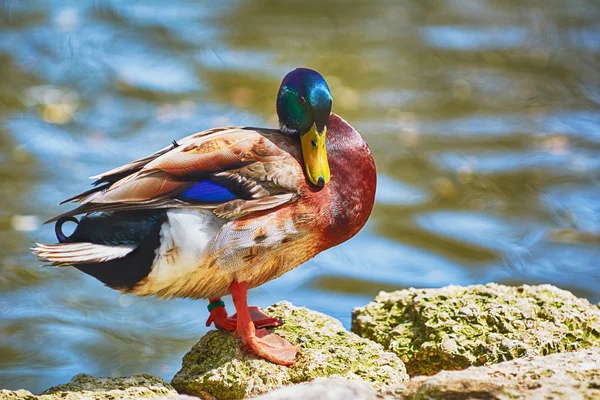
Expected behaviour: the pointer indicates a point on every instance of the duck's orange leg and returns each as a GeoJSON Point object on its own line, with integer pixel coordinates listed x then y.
{"type": "Point", "coordinates": [265, 344]}
{"type": "Point", "coordinates": [218, 315]}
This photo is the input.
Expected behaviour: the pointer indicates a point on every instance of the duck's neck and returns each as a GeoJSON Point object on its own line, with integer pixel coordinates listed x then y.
{"type": "Point", "coordinates": [353, 180]}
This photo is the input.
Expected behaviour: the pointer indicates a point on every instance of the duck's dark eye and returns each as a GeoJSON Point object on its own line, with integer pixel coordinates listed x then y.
{"type": "Point", "coordinates": [302, 100]}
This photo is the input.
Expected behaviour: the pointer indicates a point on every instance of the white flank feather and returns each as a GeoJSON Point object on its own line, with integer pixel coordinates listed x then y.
{"type": "Point", "coordinates": [63, 254]}
{"type": "Point", "coordinates": [184, 239]}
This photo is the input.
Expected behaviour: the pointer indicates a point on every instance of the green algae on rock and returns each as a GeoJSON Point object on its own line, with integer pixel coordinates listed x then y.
{"type": "Point", "coordinates": [456, 327]}
{"type": "Point", "coordinates": [134, 387]}
{"type": "Point", "coordinates": [82, 386]}
{"type": "Point", "coordinates": [218, 365]}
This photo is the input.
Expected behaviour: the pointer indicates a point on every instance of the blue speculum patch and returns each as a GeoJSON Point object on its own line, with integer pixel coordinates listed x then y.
{"type": "Point", "coordinates": [207, 192]}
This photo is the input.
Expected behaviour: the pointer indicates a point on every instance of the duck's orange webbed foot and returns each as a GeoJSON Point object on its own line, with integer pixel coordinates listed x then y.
{"type": "Point", "coordinates": [218, 316]}
{"type": "Point", "coordinates": [262, 342]}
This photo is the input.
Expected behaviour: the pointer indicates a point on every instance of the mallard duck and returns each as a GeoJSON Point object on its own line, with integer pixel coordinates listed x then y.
{"type": "Point", "coordinates": [225, 210]}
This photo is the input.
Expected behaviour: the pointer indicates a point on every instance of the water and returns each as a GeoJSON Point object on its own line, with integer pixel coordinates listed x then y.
{"type": "Point", "coordinates": [483, 117]}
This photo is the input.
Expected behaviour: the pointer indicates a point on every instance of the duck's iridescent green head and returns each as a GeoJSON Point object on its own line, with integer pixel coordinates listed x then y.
{"type": "Point", "coordinates": [303, 107]}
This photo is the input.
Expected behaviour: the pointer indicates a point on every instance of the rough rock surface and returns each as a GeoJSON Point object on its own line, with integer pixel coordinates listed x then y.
{"type": "Point", "coordinates": [82, 386]}
{"type": "Point", "coordinates": [455, 327]}
{"type": "Point", "coordinates": [568, 376]}
{"type": "Point", "coordinates": [17, 395]}
{"type": "Point", "coordinates": [325, 389]}
{"type": "Point", "coordinates": [218, 365]}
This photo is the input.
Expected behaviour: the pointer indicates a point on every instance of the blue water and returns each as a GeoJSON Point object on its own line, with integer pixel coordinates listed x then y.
{"type": "Point", "coordinates": [483, 118]}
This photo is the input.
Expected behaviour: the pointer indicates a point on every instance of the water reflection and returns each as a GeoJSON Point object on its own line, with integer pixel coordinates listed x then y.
{"type": "Point", "coordinates": [483, 118]}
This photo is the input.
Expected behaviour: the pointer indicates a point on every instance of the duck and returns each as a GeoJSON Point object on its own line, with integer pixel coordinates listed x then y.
{"type": "Point", "coordinates": [226, 210]}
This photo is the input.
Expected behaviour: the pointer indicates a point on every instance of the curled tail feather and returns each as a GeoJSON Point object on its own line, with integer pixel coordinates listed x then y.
{"type": "Point", "coordinates": [60, 236]}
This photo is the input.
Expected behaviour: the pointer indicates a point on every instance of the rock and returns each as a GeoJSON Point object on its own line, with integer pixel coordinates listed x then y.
{"type": "Point", "coordinates": [454, 327]}
{"type": "Point", "coordinates": [134, 387]}
{"type": "Point", "coordinates": [82, 386]}
{"type": "Point", "coordinates": [218, 365]}
{"type": "Point", "coordinates": [17, 395]}
{"type": "Point", "coordinates": [568, 376]}
{"type": "Point", "coordinates": [325, 389]}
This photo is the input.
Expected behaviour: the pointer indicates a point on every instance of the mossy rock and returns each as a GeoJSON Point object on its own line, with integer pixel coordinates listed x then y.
{"type": "Point", "coordinates": [82, 386]}
{"type": "Point", "coordinates": [218, 365]}
{"type": "Point", "coordinates": [567, 376]}
{"type": "Point", "coordinates": [455, 327]}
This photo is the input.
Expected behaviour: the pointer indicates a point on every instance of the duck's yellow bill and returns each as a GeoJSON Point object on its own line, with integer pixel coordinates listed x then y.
{"type": "Point", "coordinates": [314, 153]}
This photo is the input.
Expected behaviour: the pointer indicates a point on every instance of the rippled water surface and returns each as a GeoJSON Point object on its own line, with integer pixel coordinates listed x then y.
{"type": "Point", "coordinates": [483, 117]}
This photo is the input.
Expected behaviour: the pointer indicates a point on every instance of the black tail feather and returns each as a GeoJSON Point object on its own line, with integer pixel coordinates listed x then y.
{"type": "Point", "coordinates": [60, 236]}
{"type": "Point", "coordinates": [116, 248]}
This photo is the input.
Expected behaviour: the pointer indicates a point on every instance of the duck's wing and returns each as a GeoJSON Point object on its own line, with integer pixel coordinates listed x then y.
{"type": "Point", "coordinates": [233, 171]}
{"type": "Point", "coordinates": [118, 173]}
